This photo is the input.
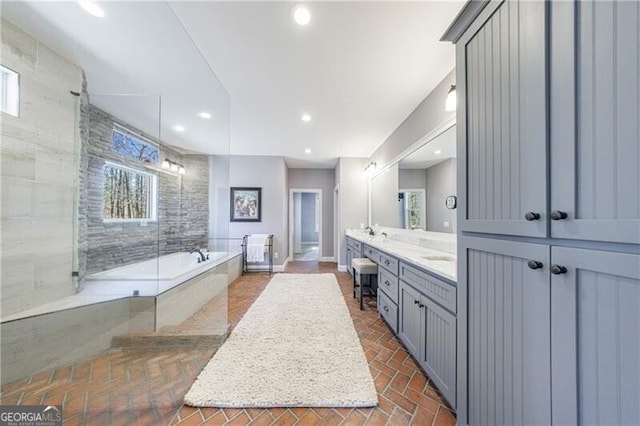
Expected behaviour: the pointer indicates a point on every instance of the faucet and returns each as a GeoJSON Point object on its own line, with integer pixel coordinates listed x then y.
{"type": "Point", "coordinates": [370, 230]}
{"type": "Point", "coordinates": [202, 257]}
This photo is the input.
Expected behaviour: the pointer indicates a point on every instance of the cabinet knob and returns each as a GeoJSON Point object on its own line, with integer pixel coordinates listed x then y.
{"type": "Point", "coordinates": [558, 215]}
{"type": "Point", "coordinates": [531, 216]}
{"type": "Point", "coordinates": [387, 282]}
{"type": "Point", "coordinates": [534, 264]}
{"type": "Point", "coordinates": [386, 262]}
{"type": "Point", "coordinates": [421, 306]}
{"type": "Point", "coordinates": [558, 269]}
{"type": "Point", "coordinates": [386, 308]}
{"type": "Point", "coordinates": [415, 302]}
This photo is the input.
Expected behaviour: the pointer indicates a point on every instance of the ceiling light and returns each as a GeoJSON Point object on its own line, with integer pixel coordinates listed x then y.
{"type": "Point", "coordinates": [437, 152]}
{"type": "Point", "coordinates": [204, 115]}
{"type": "Point", "coordinates": [306, 117]}
{"type": "Point", "coordinates": [178, 128]}
{"type": "Point", "coordinates": [301, 14]}
{"type": "Point", "coordinates": [451, 102]}
{"type": "Point", "coordinates": [307, 151]}
{"type": "Point", "coordinates": [91, 8]}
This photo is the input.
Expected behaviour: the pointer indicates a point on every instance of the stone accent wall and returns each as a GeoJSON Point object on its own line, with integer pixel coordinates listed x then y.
{"type": "Point", "coordinates": [182, 210]}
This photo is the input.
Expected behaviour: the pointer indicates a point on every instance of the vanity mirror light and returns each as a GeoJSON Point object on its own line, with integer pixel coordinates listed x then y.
{"type": "Point", "coordinates": [419, 190]}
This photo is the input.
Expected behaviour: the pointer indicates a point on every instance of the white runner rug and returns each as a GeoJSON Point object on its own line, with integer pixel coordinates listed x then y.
{"type": "Point", "coordinates": [295, 347]}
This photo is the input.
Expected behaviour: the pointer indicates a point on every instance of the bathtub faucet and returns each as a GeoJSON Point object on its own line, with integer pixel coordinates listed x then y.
{"type": "Point", "coordinates": [202, 256]}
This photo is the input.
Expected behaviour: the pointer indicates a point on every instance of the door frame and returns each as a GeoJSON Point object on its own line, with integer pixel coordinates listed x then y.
{"type": "Point", "coordinates": [317, 191]}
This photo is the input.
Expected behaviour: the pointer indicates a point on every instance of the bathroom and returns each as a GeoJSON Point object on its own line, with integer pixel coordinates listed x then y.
{"type": "Point", "coordinates": [474, 199]}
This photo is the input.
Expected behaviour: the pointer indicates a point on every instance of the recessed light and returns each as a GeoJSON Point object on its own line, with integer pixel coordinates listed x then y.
{"type": "Point", "coordinates": [307, 151]}
{"type": "Point", "coordinates": [437, 152]}
{"type": "Point", "coordinates": [204, 115]}
{"type": "Point", "coordinates": [91, 8]}
{"type": "Point", "coordinates": [301, 14]}
{"type": "Point", "coordinates": [306, 117]}
{"type": "Point", "coordinates": [178, 128]}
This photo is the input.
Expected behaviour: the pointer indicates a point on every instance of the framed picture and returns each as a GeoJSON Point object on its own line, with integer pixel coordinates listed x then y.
{"type": "Point", "coordinates": [246, 204]}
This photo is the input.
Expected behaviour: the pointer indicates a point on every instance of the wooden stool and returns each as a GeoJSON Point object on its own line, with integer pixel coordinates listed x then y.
{"type": "Point", "coordinates": [360, 267]}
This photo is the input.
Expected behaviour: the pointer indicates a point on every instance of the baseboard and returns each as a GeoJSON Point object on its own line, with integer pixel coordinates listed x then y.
{"type": "Point", "coordinates": [342, 268]}
{"type": "Point", "coordinates": [281, 268]}
{"type": "Point", "coordinates": [328, 259]}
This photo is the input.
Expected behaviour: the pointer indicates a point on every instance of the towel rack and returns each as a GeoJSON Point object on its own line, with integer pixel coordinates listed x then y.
{"type": "Point", "coordinates": [268, 246]}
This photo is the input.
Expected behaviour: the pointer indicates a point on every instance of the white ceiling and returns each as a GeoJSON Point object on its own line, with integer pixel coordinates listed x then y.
{"type": "Point", "coordinates": [359, 69]}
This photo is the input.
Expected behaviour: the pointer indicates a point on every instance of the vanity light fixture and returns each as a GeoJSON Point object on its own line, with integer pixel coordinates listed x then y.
{"type": "Point", "coordinates": [451, 102]}
{"type": "Point", "coordinates": [306, 118]}
{"type": "Point", "coordinates": [178, 128]}
{"type": "Point", "coordinates": [204, 115]}
{"type": "Point", "coordinates": [91, 8]}
{"type": "Point", "coordinates": [370, 169]}
{"type": "Point", "coordinates": [172, 166]}
{"type": "Point", "coordinates": [301, 14]}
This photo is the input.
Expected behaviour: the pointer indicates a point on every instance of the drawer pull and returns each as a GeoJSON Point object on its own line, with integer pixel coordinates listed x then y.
{"type": "Point", "coordinates": [531, 216]}
{"type": "Point", "coordinates": [386, 262]}
{"type": "Point", "coordinates": [387, 283]}
{"type": "Point", "coordinates": [558, 215]}
{"type": "Point", "coordinates": [534, 264]}
{"type": "Point", "coordinates": [386, 309]}
{"type": "Point", "coordinates": [558, 269]}
{"type": "Point", "coordinates": [415, 302]}
{"type": "Point", "coordinates": [421, 306]}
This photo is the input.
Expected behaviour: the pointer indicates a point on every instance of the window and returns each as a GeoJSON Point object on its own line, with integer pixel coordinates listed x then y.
{"type": "Point", "coordinates": [134, 146]}
{"type": "Point", "coordinates": [414, 217]}
{"type": "Point", "coordinates": [10, 96]}
{"type": "Point", "coordinates": [128, 194]}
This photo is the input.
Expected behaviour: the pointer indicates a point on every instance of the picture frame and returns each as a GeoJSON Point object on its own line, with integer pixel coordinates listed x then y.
{"type": "Point", "coordinates": [246, 204]}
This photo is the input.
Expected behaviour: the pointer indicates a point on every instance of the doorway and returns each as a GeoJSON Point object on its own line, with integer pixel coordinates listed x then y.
{"type": "Point", "coordinates": [305, 225]}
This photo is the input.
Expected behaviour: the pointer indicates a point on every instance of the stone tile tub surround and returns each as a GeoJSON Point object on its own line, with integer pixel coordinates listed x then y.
{"type": "Point", "coordinates": [182, 207]}
{"type": "Point", "coordinates": [413, 246]}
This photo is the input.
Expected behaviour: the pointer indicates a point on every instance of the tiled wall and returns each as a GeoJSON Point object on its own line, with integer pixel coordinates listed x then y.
{"type": "Point", "coordinates": [183, 205]}
{"type": "Point", "coordinates": [39, 155]}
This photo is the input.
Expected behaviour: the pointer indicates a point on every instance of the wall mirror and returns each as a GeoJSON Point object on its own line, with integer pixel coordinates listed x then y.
{"type": "Point", "coordinates": [413, 192]}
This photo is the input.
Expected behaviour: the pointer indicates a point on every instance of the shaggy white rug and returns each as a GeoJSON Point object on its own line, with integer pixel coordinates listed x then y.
{"type": "Point", "coordinates": [295, 347]}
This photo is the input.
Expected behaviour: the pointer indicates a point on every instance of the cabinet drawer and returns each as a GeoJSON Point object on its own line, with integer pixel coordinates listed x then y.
{"type": "Point", "coordinates": [389, 263]}
{"type": "Point", "coordinates": [388, 310]}
{"type": "Point", "coordinates": [437, 290]}
{"type": "Point", "coordinates": [371, 253]}
{"type": "Point", "coordinates": [388, 283]}
{"type": "Point", "coordinates": [356, 245]}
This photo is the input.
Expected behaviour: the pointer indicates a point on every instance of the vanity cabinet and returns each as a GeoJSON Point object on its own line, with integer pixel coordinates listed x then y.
{"type": "Point", "coordinates": [354, 251]}
{"type": "Point", "coordinates": [429, 332]}
{"type": "Point", "coordinates": [549, 212]}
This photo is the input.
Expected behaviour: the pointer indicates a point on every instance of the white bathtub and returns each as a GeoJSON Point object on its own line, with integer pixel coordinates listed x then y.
{"type": "Point", "coordinates": [151, 277]}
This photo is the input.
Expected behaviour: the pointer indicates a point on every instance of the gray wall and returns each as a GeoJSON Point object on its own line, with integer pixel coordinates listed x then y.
{"type": "Point", "coordinates": [384, 198]}
{"type": "Point", "coordinates": [308, 218]}
{"type": "Point", "coordinates": [183, 204]}
{"type": "Point", "coordinates": [425, 118]}
{"type": "Point", "coordinates": [441, 182]}
{"type": "Point", "coordinates": [39, 172]}
{"type": "Point", "coordinates": [412, 179]}
{"type": "Point", "coordinates": [219, 202]}
{"type": "Point", "coordinates": [324, 179]}
{"type": "Point", "coordinates": [269, 173]}
{"type": "Point", "coordinates": [353, 198]}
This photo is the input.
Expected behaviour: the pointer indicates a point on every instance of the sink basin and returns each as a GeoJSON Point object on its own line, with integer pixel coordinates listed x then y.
{"type": "Point", "coordinates": [440, 258]}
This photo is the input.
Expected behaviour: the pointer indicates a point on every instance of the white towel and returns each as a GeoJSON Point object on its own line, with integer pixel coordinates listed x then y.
{"type": "Point", "coordinates": [255, 247]}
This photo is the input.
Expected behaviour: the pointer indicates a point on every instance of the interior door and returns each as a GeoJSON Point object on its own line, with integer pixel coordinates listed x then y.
{"type": "Point", "coordinates": [595, 337]}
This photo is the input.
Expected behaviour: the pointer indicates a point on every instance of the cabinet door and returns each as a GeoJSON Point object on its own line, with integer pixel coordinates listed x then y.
{"type": "Point", "coordinates": [595, 337]}
{"type": "Point", "coordinates": [502, 137]}
{"type": "Point", "coordinates": [410, 328]}
{"type": "Point", "coordinates": [595, 116]}
{"type": "Point", "coordinates": [504, 333]}
{"type": "Point", "coordinates": [439, 348]}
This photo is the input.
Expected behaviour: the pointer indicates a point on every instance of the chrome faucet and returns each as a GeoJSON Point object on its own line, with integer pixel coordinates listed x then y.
{"type": "Point", "coordinates": [202, 256]}
{"type": "Point", "coordinates": [370, 230]}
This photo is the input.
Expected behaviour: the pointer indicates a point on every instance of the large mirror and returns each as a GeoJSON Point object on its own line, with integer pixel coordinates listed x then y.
{"type": "Point", "coordinates": [419, 191]}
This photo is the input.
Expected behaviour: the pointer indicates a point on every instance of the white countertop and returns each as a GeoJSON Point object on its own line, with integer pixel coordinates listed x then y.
{"type": "Point", "coordinates": [412, 254]}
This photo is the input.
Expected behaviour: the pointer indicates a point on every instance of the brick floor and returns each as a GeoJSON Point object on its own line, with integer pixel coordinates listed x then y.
{"type": "Point", "coordinates": [146, 385]}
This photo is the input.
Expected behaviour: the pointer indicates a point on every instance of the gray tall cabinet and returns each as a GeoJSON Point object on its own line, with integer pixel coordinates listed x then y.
{"type": "Point", "coordinates": [549, 212]}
